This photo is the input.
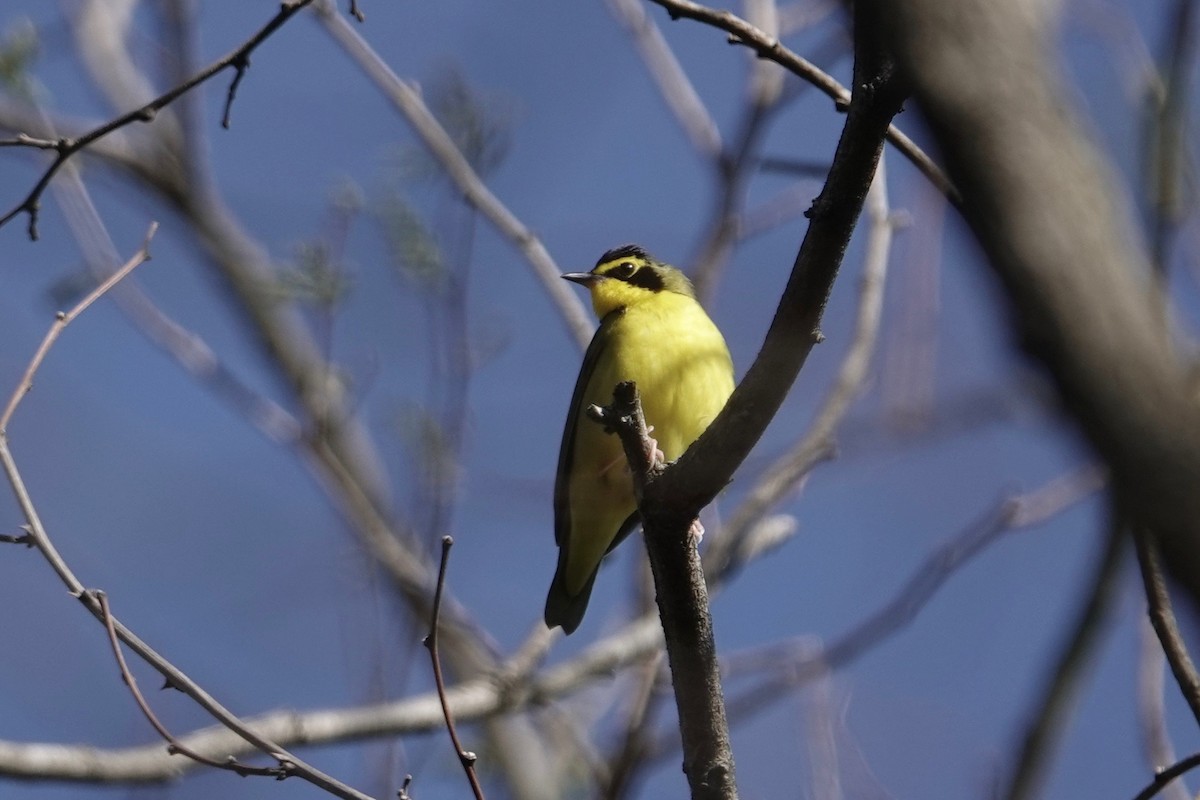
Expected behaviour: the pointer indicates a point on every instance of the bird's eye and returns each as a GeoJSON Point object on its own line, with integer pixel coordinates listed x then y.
{"type": "Point", "coordinates": [623, 270]}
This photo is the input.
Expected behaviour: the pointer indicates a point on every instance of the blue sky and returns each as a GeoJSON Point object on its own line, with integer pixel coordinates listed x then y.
{"type": "Point", "coordinates": [216, 546]}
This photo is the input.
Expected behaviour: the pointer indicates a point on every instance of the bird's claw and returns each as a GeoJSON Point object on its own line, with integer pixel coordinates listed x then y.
{"type": "Point", "coordinates": [657, 456]}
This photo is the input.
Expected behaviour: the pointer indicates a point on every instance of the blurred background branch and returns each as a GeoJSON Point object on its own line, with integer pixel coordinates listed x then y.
{"type": "Point", "coordinates": [362, 274]}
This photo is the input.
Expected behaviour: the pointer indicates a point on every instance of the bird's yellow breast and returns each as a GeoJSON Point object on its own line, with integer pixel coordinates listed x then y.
{"type": "Point", "coordinates": [678, 359]}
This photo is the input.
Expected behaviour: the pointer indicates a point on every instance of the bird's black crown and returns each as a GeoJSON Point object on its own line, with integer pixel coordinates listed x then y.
{"type": "Point", "coordinates": [624, 251]}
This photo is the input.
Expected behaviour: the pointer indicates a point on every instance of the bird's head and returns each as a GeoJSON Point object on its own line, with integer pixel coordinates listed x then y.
{"type": "Point", "coordinates": [628, 275]}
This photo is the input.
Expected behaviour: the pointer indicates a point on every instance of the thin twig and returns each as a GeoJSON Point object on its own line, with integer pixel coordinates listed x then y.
{"type": "Point", "coordinates": [174, 745]}
{"type": "Point", "coordinates": [686, 106]}
{"type": "Point", "coordinates": [339, 458]}
{"type": "Point", "coordinates": [1164, 778]}
{"type": "Point", "coordinates": [186, 347]}
{"type": "Point", "coordinates": [1010, 514]}
{"type": "Point", "coordinates": [516, 687]}
{"type": "Point", "coordinates": [25, 140]}
{"type": "Point", "coordinates": [338, 452]}
{"type": "Point", "coordinates": [465, 757]}
{"type": "Point", "coordinates": [41, 538]}
{"type": "Point", "coordinates": [779, 208]}
{"type": "Point", "coordinates": [63, 319]}
{"type": "Point", "coordinates": [822, 742]}
{"type": "Point", "coordinates": [709, 464]}
{"type": "Point", "coordinates": [742, 32]}
{"type": "Point", "coordinates": [907, 379]}
{"type": "Point", "coordinates": [729, 224]}
{"type": "Point", "coordinates": [624, 417]}
{"type": "Point", "coordinates": [628, 757]}
{"type": "Point", "coordinates": [407, 100]}
{"type": "Point", "coordinates": [240, 65]}
{"type": "Point", "coordinates": [1167, 163]}
{"type": "Point", "coordinates": [782, 477]}
{"type": "Point", "coordinates": [1162, 617]}
{"type": "Point", "coordinates": [732, 170]}
{"type": "Point", "coordinates": [169, 671]}
{"type": "Point", "coordinates": [22, 538]}
{"type": "Point", "coordinates": [1053, 707]}
{"type": "Point", "coordinates": [1152, 716]}
{"type": "Point", "coordinates": [676, 90]}
{"type": "Point", "coordinates": [67, 147]}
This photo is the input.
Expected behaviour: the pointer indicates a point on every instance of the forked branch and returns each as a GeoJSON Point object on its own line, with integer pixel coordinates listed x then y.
{"type": "Point", "coordinates": [682, 596]}
{"type": "Point", "coordinates": [65, 147]}
{"type": "Point", "coordinates": [95, 602]}
{"type": "Point", "coordinates": [465, 757]}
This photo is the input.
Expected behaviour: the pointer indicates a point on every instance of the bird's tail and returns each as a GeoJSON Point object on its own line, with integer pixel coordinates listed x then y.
{"type": "Point", "coordinates": [567, 609]}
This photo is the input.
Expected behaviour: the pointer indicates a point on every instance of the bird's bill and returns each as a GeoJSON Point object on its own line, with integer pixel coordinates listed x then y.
{"type": "Point", "coordinates": [583, 278]}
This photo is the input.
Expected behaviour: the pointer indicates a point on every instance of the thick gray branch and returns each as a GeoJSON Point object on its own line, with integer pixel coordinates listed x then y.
{"type": "Point", "coordinates": [1054, 224]}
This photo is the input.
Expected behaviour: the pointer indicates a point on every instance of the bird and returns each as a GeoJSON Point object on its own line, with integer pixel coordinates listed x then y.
{"type": "Point", "coordinates": [654, 332]}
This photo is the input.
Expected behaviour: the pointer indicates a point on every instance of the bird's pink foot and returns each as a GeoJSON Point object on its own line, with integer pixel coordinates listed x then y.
{"type": "Point", "coordinates": [657, 456]}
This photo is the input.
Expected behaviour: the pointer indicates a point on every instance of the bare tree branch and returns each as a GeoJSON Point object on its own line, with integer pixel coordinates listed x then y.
{"type": "Point", "coordinates": [629, 757]}
{"type": "Point", "coordinates": [174, 745]}
{"type": "Point", "coordinates": [1162, 618]}
{"type": "Point", "coordinates": [334, 444]}
{"type": "Point", "coordinates": [1156, 741]}
{"type": "Point", "coordinates": [1011, 514]}
{"type": "Point", "coordinates": [907, 381]}
{"type": "Point", "coordinates": [729, 224]}
{"type": "Point", "coordinates": [669, 501]}
{"type": "Point", "coordinates": [1167, 165]}
{"type": "Point", "coordinates": [1166, 776]}
{"type": "Point", "coordinates": [408, 102]}
{"type": "Point", "coordinates": [512, 687]}
{"type": "Point", "coordinates": [340, 456]}
{"type": "Point", "coordinates": [465, 758]}
{"type": "Point", "coordinates": [674, 87]}
{"type": "Point", "coordinates": [63, 319]}
{"type": "Point", "coordinates": [470, 701]}
{"type": "Point", "coordinates": [516, 686]}
{"type": "Point", "coordinates": [64, 148]}
{"type": "Point", "coordinates": [22, 538]}
{"type": "Point", "coordinates": [821, 742]}
{"type": "Point", "coordinates": [91, 601]}
{"type": "Point", "coordinates": [742, 32]}
{"type": "Point", "coordinates": [782, 477]}
{"type": "Point", "coordinates": [682, 597]}
{"type": "Point", "coordinates": [186, 347]}
{"type": "Point", "coordinates": [730, 165]}
{"type": "Point", "coordinates": [692, 481]}
{"type": "Point", "coordinates": [1052, 220]}
{"type": "Point", "coordinates": [1052, 711]}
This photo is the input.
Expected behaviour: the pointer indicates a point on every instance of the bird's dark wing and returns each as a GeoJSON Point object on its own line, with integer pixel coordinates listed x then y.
{"type": "Point", "coordinates": [562, 482]}
{"type": "Point", "coordinates": [627, 527]}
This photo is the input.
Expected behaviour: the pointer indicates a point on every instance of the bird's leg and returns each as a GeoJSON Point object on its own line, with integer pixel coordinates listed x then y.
{"type": "Point", "coordinates": [696, 531]}
{"type": "Point", "coordinates": [656, 456]}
